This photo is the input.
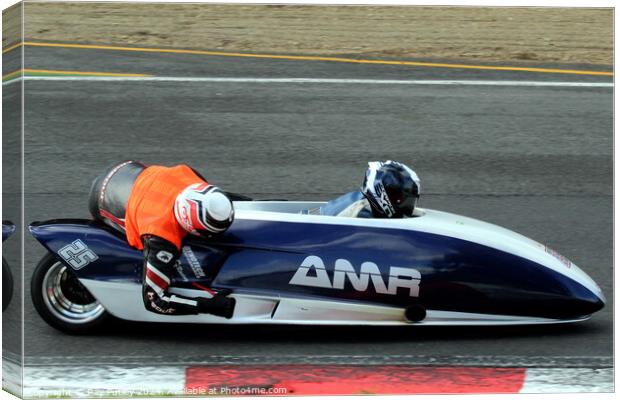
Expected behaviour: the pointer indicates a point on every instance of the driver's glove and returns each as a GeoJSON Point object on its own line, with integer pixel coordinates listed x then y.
{"type": "Point", "coordinates": [219, 304]}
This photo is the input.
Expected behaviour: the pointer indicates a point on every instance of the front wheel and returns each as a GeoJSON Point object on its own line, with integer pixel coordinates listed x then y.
{"type": "Point", "coordinates": [62, 301]}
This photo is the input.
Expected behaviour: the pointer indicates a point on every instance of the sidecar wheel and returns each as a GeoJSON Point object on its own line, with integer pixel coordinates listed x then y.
{"type": "Point", "coordinates": [62, 301]}
{"type": "Point", "coordinates": [7, 284]}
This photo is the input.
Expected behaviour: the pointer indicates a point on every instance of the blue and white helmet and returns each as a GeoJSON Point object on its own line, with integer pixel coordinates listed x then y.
{"type": "Point", "coordinates": [392, 189]}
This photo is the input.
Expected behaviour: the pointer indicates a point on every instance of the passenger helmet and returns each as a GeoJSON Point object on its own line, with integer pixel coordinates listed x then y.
{"type": "Point", "coordinates": [392, 189]}
{"type": "Point", "coordinates": [203, 208]}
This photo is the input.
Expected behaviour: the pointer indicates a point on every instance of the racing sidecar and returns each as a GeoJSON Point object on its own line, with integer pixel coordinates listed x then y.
{"type": "Point", "coordinates": [288, 265]}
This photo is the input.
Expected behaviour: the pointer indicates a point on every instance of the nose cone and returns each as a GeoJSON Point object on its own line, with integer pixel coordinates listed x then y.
{"type": "Point", "coordinates": [596, 305]}
{"type": "Point", "coordinates": [586, 305]}
{"type": "Point", "coordinates": [581, 296]}
{"type": "Point", "coordinates": [581, 299]}
{"type": "Point", "coordinates": [539, 291]}
{"type": "Point", "coordinates": [590, 298]}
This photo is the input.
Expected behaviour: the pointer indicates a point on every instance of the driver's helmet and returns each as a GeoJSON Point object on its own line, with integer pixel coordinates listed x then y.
{"type": "Point", "coordinates": [392, 189]}
{"type": "Point", "coordinates": [202, 209]}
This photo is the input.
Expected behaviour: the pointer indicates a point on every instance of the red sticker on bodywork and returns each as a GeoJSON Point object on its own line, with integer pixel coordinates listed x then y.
{"type": "Point", "coordinates": [557, 255]}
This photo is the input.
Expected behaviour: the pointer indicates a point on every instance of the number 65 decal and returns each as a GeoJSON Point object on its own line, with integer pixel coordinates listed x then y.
{"type": "Point", "coordinates": [77, 254]}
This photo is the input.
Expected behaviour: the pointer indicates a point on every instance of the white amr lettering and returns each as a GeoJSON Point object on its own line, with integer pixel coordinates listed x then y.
{"type": "Point", "coordinates": [408, 278]}
{"type": "Point", "coordinates": [301, 276]}
{"type": "Point", "coordinates": [360, 283]}
{"type": "Point", "coordinates": [411, 281]}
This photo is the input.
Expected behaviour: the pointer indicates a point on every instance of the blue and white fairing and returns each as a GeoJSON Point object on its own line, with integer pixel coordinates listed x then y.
{"type": "Point", "coordinates": [285, 267]}
{"type": "Point", "coordinates": [7, 229]}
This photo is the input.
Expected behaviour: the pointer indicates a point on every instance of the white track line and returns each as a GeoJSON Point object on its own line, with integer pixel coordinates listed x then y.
{"type": "Point", "coordinates": [103, 381]}
{"type": "Point", "coordinates": [568, 380]}
{"type": "Point", "coordinates": [317, 81]}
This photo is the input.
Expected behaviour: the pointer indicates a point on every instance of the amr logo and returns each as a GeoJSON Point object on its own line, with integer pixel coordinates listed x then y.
{"type": "Point", "coordinates": [77, 254]}
{"type": "Point", "coordinates": [408, 278]}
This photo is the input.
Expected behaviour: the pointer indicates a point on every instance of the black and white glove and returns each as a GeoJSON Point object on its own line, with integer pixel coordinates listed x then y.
{"type": "Point", "coordinates": [219, 304]}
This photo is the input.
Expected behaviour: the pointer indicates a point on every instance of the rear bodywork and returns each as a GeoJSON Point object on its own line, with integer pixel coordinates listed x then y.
{"type": "Point", "coordinates": [286, 267]}
{"type": "Point", "coordinates": [7, 229]}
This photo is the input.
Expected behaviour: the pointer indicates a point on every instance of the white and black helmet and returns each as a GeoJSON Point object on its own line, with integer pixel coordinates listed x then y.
{"type": "Point", "coordinates": [201, 207]}
{"type": "Point", "coordinates": [392, 189]}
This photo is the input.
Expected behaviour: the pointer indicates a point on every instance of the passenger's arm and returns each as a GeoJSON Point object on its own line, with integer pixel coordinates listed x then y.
{"type": "Point", "coordinates": [160, 257]}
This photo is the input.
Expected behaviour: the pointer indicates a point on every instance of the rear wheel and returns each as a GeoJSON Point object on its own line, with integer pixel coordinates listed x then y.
{"type": "Point", "coordinates": [62, 301]}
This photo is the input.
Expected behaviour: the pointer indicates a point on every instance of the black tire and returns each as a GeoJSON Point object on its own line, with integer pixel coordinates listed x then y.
{"type": "Point", "coordinates": [52, 281]}
{"type": "Point", "coordinates": [7, 284]}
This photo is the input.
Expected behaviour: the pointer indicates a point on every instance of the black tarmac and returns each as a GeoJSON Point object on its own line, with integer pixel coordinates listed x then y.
{"type": "Point", "coordinates": [537, 160]}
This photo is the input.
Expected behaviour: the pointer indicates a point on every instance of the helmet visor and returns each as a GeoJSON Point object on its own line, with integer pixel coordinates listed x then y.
{"type": "Point", "coordinates": [403, 201]}
{"type": "Point", "coordinates": [408, 206]}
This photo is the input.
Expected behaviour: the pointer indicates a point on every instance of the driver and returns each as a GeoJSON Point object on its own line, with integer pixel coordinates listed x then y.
{"type": "Point", "coordinates": [156, 207]}
{"type": "Point", "coordinates": [390, 190]}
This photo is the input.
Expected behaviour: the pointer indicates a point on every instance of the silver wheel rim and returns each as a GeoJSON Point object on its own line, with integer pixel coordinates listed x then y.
{"type": "Point", "coordinates": [58, 303]}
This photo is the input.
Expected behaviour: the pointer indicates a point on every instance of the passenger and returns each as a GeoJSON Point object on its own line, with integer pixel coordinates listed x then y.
{"type": "Point", "coordinates": [390, 190]}
{"type": "Point", "coordinates": [156, 207]}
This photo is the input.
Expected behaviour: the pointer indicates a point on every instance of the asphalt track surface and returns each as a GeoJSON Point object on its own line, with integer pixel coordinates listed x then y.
{"type": "Point", "coordinates": [537, 160]}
